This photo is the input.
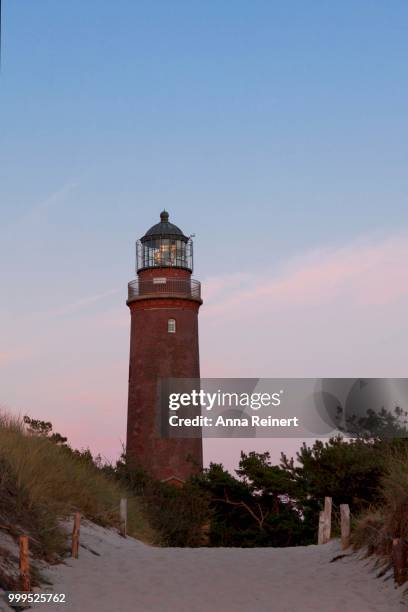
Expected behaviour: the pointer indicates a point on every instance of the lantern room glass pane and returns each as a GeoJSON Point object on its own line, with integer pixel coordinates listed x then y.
{"type": "Point", "coordinates": [164, 252]}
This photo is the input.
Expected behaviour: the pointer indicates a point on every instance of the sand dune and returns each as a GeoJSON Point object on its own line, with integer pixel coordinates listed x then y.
{"type": "Point", "coordinates": [114, 574]}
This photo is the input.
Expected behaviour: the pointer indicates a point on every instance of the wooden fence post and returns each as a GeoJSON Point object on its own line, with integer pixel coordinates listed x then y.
{"type": "Point", "coordinates": [320, 537]}
{"type": "Point", "coordinates": [24, 564]}
{"type": "Point", "coordinates": [399, 560]}
{"type": "Point", "coordinates": [325, 522]}
{"type": "Point", "coordinates": [327, 518]}
{"type": "Point", "coordinates": [345, 525]}
{"type": "Point", "coordinates": [123, 516]}
{"type": "Point", "coordinates": [75, 535]}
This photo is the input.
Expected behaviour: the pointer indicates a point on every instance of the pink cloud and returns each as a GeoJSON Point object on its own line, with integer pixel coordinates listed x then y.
{"type": "Point", "coordinates": [366, 273]}
{"type": "Point", "coordinates": [12, 356]}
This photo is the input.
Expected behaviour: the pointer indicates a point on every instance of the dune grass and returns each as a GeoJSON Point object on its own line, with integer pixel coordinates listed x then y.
{"type": "Point", "coordinates": [376, 528]}
{"type": "Point", "coordinates": [395, 491]}
{"type": "Point", "coordinates": [42, 483]}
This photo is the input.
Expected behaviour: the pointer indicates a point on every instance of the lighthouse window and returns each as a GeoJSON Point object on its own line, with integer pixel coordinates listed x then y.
{"type": "Point", "coordinates": [171, 326]}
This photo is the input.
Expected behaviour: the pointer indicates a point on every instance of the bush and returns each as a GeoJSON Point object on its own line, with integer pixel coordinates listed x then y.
{"type": "Point", "coordinates": [178, 515]}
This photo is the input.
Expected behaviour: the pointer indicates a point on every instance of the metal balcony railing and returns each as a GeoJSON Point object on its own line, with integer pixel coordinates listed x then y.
{"type": "Point", "coordinates": [164, 287]}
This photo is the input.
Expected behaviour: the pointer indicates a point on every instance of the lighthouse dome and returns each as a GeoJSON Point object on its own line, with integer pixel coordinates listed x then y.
{"type": "Point", "coordinates": [164, 229]}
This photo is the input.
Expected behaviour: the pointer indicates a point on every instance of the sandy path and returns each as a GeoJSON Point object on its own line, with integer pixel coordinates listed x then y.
{"type": "Point", "coordinates": [127, 575]}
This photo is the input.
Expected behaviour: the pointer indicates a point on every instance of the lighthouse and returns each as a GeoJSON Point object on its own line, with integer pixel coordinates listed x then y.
{"type": "Point", "coordinates": [164, 301]}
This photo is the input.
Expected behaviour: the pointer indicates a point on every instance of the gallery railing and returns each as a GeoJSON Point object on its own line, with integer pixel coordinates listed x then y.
{"type": "Point", "coordinates": [164, 287]}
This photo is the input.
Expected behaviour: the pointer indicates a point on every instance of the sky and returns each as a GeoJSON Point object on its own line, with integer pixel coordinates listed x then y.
{"type": "Point", "coordinates": [276, 132]}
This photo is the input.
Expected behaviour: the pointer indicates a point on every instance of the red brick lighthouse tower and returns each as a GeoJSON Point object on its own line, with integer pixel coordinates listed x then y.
{"type": "Point", "coordinates": [164, 301]}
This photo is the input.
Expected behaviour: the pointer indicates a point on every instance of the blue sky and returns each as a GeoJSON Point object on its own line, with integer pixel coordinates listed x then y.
{"type": "Point", "coordinates": [271, 130]}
